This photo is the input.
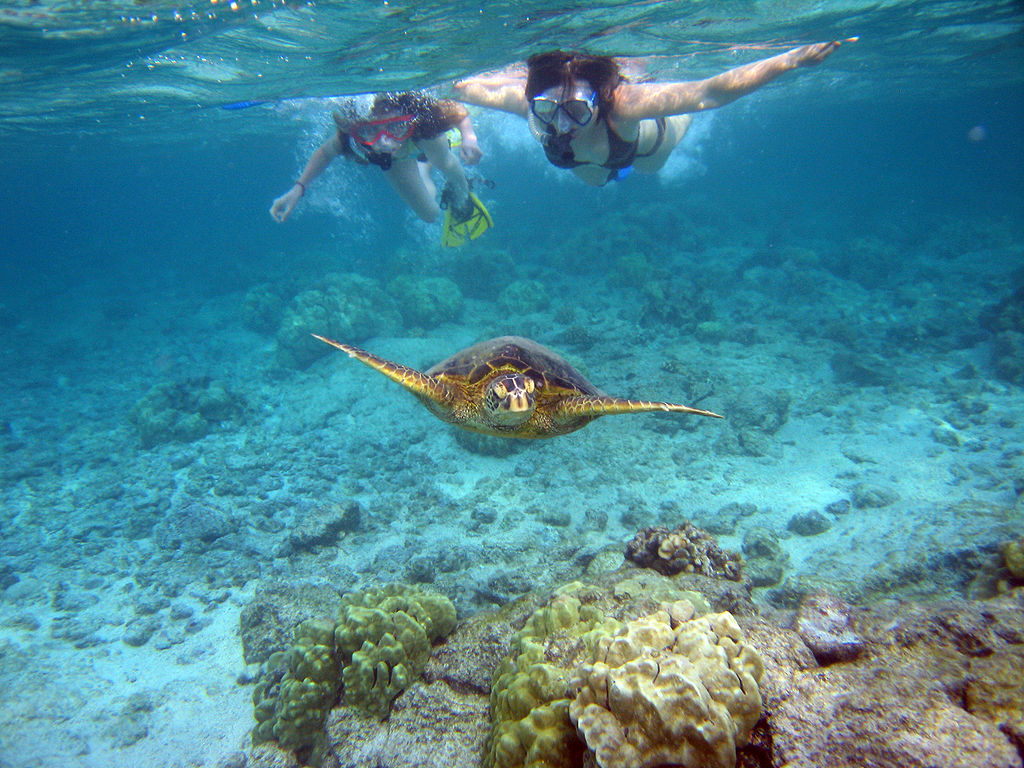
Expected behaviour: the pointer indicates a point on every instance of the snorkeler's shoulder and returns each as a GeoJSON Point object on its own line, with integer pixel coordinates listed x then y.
{"type": "Point", "coordinates": [641, 101]}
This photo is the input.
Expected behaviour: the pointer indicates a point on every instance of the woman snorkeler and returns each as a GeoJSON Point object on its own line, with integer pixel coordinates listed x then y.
{"type": "Point", "coordinates": [589, 118]}
{"type": "Point", "coordinates": [405, 135]}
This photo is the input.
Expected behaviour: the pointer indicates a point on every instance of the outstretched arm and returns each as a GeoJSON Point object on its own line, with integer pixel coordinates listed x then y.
{"type": "Point", "coordinates": [285, 204]}
{"type": "Point", "coordinates": [505, 91]}
{"type": "Point", "coordinates": [646, 100]}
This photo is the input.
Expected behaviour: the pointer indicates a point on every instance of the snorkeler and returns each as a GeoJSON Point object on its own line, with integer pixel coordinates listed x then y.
{"type": "Point", "coordinates": [404, 134]}
{"type": "Point", "coordinates": [589, 118]}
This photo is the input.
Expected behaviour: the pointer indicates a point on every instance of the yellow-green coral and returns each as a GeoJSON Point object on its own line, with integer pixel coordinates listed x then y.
{"type": "Point", "coordinates": [379, 645]}
{"type": "Point", "coordinates": [660, 691]}
{"type": "Point", "coordinates": [529, 695]}
{"type": "Point", "coordinates": [384, 637]}
{"type": "Point", "coordinates": [1013, 556]}
{"type": "Point", "coordinates": [298, 689]}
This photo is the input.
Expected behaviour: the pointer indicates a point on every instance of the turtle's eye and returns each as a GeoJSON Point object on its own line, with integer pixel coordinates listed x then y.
{"type": "Point", "coordinates": [500, 389]}
{"type": "Point", "coordinates": [529, 385]}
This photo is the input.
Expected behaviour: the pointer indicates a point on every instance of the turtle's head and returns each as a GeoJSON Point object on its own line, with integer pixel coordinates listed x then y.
{"type": "Point", "coordinates": [509, 399]}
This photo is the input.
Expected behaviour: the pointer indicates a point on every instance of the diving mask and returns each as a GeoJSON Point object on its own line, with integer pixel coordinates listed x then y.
{"type": "Point", "coordinates": [398, 128]}
{"type": "Point", "coordinates": [579, 111]}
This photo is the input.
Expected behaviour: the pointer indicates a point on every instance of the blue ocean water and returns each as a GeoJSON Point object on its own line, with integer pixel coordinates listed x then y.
{"type": "Point", "coordinates": [834, 263]}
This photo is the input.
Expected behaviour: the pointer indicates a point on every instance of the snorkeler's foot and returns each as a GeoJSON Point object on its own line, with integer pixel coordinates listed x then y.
{"type": "Point", "coordinates": [466, 223]}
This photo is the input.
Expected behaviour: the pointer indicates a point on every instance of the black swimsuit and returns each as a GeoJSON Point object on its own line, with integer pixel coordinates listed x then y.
{"type": "Point", "coordinates": [621, 153]}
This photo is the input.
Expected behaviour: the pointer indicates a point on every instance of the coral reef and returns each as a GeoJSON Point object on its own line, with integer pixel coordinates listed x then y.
{"type": "Point", "coordinates": [676, 301]}
{"type": "Point", "coordinates": [669, 689]}
{"type": "Point", "coordinates": [383, 641]}
{"type": "Point", "coordinates": [264, 306]}
{"type": "Point", "coordinates": [183, 411]}
{"type": "Point", "coordinates": [532, 690]}
{"type": "Point", "coordinates": [348, 307]}
{"type": "Point", "coordinates": [298, 689]}
{"type": "Point", "coordinates": [529, 694]}
{"type": "Point", "coordinates": [685, 548]}
{"type": "Point", "coordinates": [935, 684]}
{"type": "Point", "coordinates": [426, 302]}
{"type": "Point", "coordinates": [379, 644]}
{"type": "Point", "coordinates": [521, 297]}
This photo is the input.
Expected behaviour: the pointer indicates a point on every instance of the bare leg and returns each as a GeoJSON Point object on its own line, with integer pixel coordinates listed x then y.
{"type": "Point", "coordinates": [425, 168]}
{"type": "Point", "coordinates": [414, 185]}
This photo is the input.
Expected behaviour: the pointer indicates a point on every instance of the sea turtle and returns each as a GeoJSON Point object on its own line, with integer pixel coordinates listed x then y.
{"type": "Point", "coordinates": [509, 387]}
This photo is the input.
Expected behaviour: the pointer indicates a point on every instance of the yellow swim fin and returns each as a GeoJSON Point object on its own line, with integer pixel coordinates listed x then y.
{"type": "Point", "coordinates": [456, 231]}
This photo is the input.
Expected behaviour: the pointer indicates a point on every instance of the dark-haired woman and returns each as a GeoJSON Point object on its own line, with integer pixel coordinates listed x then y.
{"type": "Point", "coordinates": [589, 118]}
{"type": "Point", "coordinates": [403, 134]}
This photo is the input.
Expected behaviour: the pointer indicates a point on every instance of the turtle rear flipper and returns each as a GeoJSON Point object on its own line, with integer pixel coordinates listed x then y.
{"type": "Point", "coordinates": [591, 406]}
{"type": "Point", "coordinates": [415, 381]}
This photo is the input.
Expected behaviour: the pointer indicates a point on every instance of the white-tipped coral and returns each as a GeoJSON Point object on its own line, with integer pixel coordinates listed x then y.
{"type": "Point", "coordinates": [661, 694]}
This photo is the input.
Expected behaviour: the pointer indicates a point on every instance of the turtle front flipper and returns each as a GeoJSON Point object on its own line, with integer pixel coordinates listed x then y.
{"type": "Point", "coordinates": [586, 408]}
{"type": "Point", "coordinates": [421, 385]}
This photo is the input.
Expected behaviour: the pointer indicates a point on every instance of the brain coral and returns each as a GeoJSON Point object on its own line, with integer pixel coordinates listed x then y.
{"type": "Point", "coordinates": [666, 692]}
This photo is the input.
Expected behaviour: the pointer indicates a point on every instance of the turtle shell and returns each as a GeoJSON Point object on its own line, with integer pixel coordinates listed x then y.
{"type": "Point", "coordinates": [550, 373]}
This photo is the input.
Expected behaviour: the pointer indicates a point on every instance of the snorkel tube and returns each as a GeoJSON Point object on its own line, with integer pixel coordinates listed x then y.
{"type": "Point", "coordinates": [557, 144]}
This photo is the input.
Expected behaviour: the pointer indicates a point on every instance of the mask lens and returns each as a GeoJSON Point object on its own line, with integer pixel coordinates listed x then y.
{"type": "Point", "coordinates": [579, 111]}
{"type": "Point", "coordinates": [400, 131]}
{"type": "Point", "coordinates": [545, 109]}
{"type": "Point", "coordinates": [366, 133]}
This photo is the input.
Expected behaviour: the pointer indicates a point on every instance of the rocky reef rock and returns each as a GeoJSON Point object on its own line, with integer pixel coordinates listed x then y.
{"type": "Point", "coordinates": [1005, 320]}
{"type": "Point", "coordinates": [426, 302]}
{"type": "Point", "coordinates": [824, 624]}
{"type": "Point", "coordinates": [184, 411]}
{"type": "Point", "coordinates": [350, 308]}
{"type": "Point", "coordinates": [755, 416]}
{"type": "Point", "coordinates": [1013, 557]}
{"type": "Point", "coordinates": [430, 724]}
{"type": "Point", "coordinates": [902, 701]}
{"type": "Point", "coordinates": [521, 297]}
{"type": "Point", "coordinates": [765, 561]}
{"type": "Point", "coordinates": [685, 548]}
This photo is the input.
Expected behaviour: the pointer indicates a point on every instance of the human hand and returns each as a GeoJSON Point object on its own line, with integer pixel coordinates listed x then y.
{"type": "Point", "coordinates": [814, 54]}
{"type": "Point", "coordinates": [469, 150]}
{"type": "Point", "coordinates": [285, 204]}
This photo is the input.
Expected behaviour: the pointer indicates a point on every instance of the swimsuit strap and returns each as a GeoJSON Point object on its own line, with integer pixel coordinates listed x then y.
{"type": "Point", "coordinates": [659, 140]}
{"type": "Point", "coordinates": [621, 153]}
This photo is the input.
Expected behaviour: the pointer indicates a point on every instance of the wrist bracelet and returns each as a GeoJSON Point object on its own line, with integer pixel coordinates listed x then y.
{"type": "Point", "coordinates": [301, 186]}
